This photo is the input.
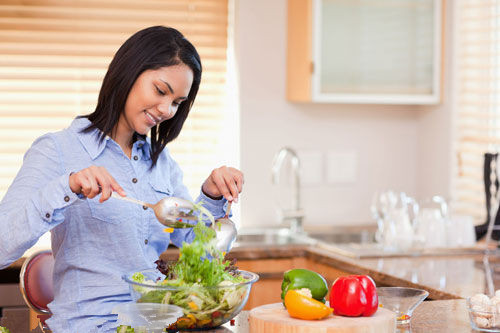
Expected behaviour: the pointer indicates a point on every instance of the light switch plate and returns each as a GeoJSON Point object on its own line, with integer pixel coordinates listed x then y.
{"type": "Point", "coordinates": [341, 167]}
{"type": "Point", "coordinates": [311, 167]}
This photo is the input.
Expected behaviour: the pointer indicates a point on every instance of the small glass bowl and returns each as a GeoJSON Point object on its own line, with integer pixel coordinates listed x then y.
{"type": "Point", "coordinates": [401, 300]}
{"type": "Point", "coordinates": [234, 296]}
{"type": "Point", "coordinates": [484, 321]}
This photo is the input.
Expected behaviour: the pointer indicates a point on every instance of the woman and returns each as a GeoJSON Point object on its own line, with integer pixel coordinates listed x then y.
{"type": "Point", "coordinates": [67, 179]}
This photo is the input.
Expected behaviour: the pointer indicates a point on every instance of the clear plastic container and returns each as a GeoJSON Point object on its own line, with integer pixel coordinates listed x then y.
{"type": "Point", "coordinates": [150, 316]}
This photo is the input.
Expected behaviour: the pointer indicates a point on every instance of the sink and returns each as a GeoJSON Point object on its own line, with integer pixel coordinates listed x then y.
{"type": "Point", "coordinates": [263, 238]}
{"type": "Point", "coordinates": [283, 236]}
{"type": "Point", "coordinates": [267, 237]}
{"type": "Point", "coordinates": [361, 237]}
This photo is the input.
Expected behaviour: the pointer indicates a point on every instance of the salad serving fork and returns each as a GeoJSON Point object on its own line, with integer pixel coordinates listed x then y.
{"type": "Point", "coordinates": [167, 210]}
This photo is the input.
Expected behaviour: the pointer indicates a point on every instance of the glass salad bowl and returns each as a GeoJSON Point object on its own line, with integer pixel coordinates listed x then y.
{"type": "Point", "coordinates": [203, 307]}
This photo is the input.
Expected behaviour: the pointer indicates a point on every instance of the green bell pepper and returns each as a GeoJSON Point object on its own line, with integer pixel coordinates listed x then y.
{"type": "Point", "coordinates": [303, 278]}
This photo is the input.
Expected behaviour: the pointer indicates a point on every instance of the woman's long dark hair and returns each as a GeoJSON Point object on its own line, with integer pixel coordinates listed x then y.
{"type": "Point", "coordinates": [151, 48]}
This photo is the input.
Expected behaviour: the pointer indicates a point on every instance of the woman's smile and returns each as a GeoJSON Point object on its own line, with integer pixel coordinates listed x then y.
{"type": "Point", "coordinates": [151, 119]}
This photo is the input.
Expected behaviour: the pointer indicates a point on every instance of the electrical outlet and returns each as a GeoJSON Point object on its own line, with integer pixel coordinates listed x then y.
{"type": "Point", "coordinates": [342, 167]}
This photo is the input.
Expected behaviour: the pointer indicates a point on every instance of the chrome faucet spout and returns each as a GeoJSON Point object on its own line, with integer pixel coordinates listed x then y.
{"type": "Point", "coordinates": [296, 214]}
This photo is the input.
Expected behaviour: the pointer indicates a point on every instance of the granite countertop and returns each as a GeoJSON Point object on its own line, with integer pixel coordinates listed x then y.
{"type": "Point", "coordinates": [445, 277]}
{"type": "Point", "coordinates": [431, 316]}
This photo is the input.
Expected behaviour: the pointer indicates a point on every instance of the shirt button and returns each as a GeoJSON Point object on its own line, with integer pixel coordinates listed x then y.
{"type": "Point", "coordinates": [134, 180]}
{"type": "Point", "coordinates": [139, 145]}
{"type": "Point", "coordinates": [146, 241]}
{"type": "Point", "coordinates": [136, 158]}
{"type": "Point", "coordinates": [47, 215]}
{"type": "Point", "coordinates": [144, 207]}
{"type": "Point", "coordinates": [66, 198]}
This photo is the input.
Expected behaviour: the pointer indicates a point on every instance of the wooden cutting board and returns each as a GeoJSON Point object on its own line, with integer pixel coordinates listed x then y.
{"type": "Point", "coordinates": [273, 318]}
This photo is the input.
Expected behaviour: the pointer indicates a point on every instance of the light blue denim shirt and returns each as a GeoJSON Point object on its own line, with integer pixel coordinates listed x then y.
{"type": "Point", "coordinates": [93, 243]}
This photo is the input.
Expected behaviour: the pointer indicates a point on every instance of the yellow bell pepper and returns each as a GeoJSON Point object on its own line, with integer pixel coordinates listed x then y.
{"type": "Point", "coordinates": [202, 323]}
{"type": "Point", "coordinates": [301, 306]}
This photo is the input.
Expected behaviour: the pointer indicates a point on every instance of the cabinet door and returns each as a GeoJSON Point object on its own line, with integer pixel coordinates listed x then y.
{"type": "Point", "coordinates": [268, 289]}
{"type": "Point", "coordinates": [376, 51]}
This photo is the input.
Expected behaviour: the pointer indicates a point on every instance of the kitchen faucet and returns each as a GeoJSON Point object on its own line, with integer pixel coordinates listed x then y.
{"type": "Point", "coordinates": [295, 215]}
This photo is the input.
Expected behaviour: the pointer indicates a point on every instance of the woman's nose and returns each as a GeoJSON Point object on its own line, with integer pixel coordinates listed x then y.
{"type": "Point", "coordinates": [165, 110]}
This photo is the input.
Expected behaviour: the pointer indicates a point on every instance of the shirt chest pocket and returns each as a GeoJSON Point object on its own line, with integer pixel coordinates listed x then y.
{"type": "Point", "coordinates": [160, 189]}
{"type": "Point", "coordinates": [113, 210]}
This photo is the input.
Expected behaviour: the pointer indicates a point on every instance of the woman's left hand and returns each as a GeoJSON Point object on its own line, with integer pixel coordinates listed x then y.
{"type": "Point", "coordinates": [224, 181]}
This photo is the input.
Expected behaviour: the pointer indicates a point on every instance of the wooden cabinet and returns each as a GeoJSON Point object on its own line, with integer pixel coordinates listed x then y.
{"type": "Point", "coordinates": [268, 288]}
{"type": "Point", "coordinates": [366, 51]}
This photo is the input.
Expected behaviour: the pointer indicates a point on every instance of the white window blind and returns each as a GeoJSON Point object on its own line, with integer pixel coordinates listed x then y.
{"type": "Point", "coordinates": [478, 99]}
{"type": "Point", "coordinates": [54, 54]}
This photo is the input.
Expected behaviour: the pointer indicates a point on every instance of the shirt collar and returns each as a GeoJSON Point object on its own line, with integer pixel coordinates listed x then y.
{"type": "Point", "coordinates": [145, 146]}
{"type": "Point", "coordinates": [90, 140]}
{"type": "Point", "coordinates": [92, 144]}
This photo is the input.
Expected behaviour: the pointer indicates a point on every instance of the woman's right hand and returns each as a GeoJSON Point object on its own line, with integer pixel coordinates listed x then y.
{"type": "Point", "coordinates": [93, 180]}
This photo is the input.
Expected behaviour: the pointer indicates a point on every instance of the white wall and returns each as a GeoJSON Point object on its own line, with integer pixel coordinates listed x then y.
{"type": "Point", "coordinates": [435, 130]}
{"type": "Point", "coordinates": [393, 143]}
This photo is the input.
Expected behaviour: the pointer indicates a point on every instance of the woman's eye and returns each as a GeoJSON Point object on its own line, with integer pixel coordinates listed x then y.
{"type": "Point", "coordinates": [161, 92]}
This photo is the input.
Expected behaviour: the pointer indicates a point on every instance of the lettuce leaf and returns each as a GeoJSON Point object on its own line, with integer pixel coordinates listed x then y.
{"type": "Point", "coordinates": [199, 261]}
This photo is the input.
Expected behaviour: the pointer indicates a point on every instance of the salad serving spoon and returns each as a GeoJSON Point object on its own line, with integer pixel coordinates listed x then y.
{"type": "Point", "coordinates": [167, 210]}
{"type": "Point", "coordinates": [225, 231]}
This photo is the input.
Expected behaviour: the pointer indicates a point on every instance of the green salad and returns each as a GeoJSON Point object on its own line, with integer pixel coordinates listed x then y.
{"type": "Point", "coordinates": [4, 330]}
{"type": "Point", "coordinates": [203, 278]}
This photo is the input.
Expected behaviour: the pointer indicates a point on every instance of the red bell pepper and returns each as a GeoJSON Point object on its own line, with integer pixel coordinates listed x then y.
{"type": "Point", "coordinates": [354, 296]}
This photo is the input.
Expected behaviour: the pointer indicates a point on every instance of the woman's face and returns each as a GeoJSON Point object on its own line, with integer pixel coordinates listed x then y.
{"type": "Point", "coordinates": [155, 97]}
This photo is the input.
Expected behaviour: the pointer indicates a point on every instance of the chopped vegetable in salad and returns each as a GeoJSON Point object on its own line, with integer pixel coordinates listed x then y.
{"type": "Point", "coordinates": [125, 329]}
{"type": "Point", "coordinates": [205, 280]}
{"type": "Point", "coordinates": [4, 330]}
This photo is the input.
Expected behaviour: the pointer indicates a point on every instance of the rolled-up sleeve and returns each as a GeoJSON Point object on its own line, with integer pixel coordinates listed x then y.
{"type": "Point", "coordinates": [35, 201]}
